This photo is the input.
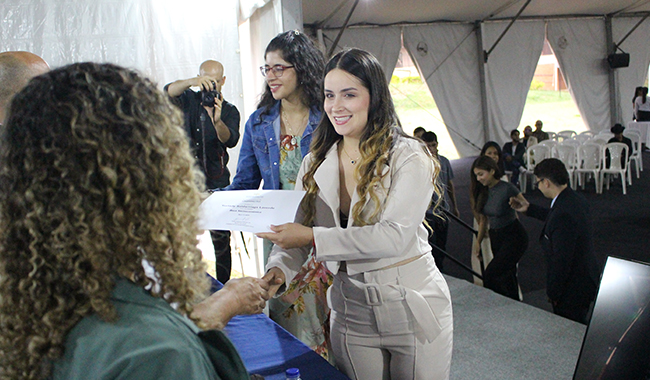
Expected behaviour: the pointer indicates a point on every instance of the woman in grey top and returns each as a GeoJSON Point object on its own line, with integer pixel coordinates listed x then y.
{"type": "Point", "coordinates": [490, 202]}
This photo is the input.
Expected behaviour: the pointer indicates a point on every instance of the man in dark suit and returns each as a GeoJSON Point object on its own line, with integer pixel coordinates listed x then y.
{"type": "Point", "coordinates": [513, 155]}
{"type": "Point", "coordinates": [573, 271]}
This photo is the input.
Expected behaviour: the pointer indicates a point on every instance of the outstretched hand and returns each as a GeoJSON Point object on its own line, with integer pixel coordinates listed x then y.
{"type": "Point", "coordinates": [275, 278]}
{"type": "Point", "coordinates": [239, 296]}
{"type": "Point", "coordinates": [289, 235]}
{"type": "Point", "coordinates": [519, 203]}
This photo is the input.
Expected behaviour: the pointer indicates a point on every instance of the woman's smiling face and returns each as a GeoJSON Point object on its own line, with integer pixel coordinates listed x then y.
{"type": "Point", "coordinates": [347, 103]}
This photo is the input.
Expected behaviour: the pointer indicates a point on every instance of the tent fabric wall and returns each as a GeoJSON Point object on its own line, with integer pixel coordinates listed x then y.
{"type": "Point", "coordinates": [507, 75]}
{"type": "Point", "coordinates": [384, 43]}
{"type": "Point", "coordinates": [160, 38]}
{"type": "Point", "coordinates": [628, 78]}
{"type": "Point", "coordinates": [580, 48]}
{"type": "Point", "coordinates": [447, 59]}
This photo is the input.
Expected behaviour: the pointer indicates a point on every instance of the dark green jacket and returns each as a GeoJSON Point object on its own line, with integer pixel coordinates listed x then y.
{"type": "Point", "coordinates": [150, 340]}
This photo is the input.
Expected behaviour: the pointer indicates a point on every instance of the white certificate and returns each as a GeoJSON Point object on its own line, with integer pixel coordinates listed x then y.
{"type": "Point", "coordinates": [249, 210]}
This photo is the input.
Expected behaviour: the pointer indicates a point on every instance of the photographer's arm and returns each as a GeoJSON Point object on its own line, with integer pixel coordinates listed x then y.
{"type": "Point", "coordinates": [176, 88]}
{"type": "Point", "coordinates": [223, 132]}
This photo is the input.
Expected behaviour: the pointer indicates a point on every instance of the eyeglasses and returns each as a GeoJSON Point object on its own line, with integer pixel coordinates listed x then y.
{"type": "Point", "coordinates": [538, 181]}
{"type": "Point", "coordinates": [278, 70]}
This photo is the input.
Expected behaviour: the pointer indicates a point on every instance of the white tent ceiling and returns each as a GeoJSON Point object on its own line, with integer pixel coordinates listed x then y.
{"type": "Point", "coordinates": [592, 28]}
{"type": "Point", "coordinates": [384, 12]}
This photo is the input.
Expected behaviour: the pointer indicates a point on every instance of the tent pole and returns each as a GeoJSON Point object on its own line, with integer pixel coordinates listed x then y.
{"type": "Point", "coordinates": [506, 29]}
{"type": "Point", "coordinates": [611, 48]}
{"type": "Point", "coordinates": [345, 26]}
{"type": "Point", "coordinates": [481, 72]}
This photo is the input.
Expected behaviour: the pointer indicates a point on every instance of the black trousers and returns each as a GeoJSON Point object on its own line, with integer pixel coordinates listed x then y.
{"type": "Point", "coordinates": [438, 238]}
{"type": "Point", "coordinates": [508, 246]}
{"type": "Point", "coordinates": [222, 255]}
{"type": "Point", "coordinates": [576, 313]}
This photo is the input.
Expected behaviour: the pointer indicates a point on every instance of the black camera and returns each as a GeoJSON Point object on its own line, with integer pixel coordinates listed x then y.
{"type": "Point", "coordinates": [208, 97]}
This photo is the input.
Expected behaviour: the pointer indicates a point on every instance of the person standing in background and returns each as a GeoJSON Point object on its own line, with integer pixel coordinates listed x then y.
{"type": "Point", "coordinates": [16, 69]}
{"type": "Point", "coordinates": [440, 224]}
{"type": "Point", "coordinates": [212, 125]}
{"type": "Point", "coordinates": [567, 240]}
{"type": "Point", "coordinates": [276, 138]}
{"type": "Point", "coordinates": [490, 199]}
{"type": "Point", "coordinates": [642, 106]}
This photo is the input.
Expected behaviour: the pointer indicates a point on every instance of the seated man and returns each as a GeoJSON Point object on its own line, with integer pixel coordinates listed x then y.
{"type": "Point", "coordinates": [513, 155]}
{"type": "Point", "coordinates": [617, 130]}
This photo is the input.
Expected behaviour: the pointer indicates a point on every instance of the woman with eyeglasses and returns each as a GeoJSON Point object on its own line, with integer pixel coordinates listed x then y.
{"type": "Point", "coordinates": [276, 138]}
{"type": "Point", "coordinates": [490, 200]}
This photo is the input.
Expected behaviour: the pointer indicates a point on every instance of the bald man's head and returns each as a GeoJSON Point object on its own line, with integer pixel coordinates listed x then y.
{"type": "Point", "coordinates": [214, 70]}
{"type": "Point", "coordinates": [16, 69]}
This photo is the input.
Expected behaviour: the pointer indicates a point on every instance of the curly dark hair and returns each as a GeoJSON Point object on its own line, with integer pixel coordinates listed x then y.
{"type": "Point", "coordinates": [376, 142]}
{"type": "Point", "coordinates": [308, 62]}
{"type": "Point", "coordinates": [95, 177]}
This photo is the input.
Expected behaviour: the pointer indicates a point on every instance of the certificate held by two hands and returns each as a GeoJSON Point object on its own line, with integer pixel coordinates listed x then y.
{"type": "Point", "coordinates": [249, 210]}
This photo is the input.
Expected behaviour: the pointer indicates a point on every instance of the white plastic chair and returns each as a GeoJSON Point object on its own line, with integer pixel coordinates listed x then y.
{"type": "Point", "coordinates": [589, 162]}
{"type": "Point", "coordinates": [600, 140]}
{"type": "Point", "coordinates": [636, 151]}
{"type": "Point", "coordinates": [582, 138]}
{"type": "Point", "coordinates": [565, 135]}
{"type": "Point", "coordinates": [567, 154]}
{"type": "Point", "coordinates": [552, 136]}
{"type": "Point", "coordinates": [572, 142]}
{"type": "Point", "coordinates": [550, 144]}
{"type": "Point", "coordinates": [534, 154]}
{"type": "Point", "coordinates": [587, 133]}
{"type": "Point", "coordinates": [615, 165]}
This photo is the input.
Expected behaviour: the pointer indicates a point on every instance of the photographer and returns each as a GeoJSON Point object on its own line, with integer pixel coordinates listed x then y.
{"type": "Point", "coordinates": [212, 125]}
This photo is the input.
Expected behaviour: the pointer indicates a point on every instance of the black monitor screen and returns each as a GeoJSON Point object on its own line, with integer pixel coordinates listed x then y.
{"type": "Point", "coordinates": [617, 341]}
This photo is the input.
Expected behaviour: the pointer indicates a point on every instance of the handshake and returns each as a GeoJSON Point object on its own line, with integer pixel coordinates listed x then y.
{"type": "Point", "coordinates": [239, 296]}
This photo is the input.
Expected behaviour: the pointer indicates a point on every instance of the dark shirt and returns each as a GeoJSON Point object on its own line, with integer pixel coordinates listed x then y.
{"type": "Point", "coordinates": [540, 135]}
{"type": "Point", "coordinates": [209, 152]}
{"type": "Point", "coordinates": [517, 153]}
{"type": "Point", "coordinates": [497, 208]}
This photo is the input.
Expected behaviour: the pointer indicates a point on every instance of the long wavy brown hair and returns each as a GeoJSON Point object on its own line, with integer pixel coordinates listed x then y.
{"type": "Point", "coordinates": [376, 143]}
{"type": "Point", "coordinates": [478, 193]}
{"type": "Point", "coordinates": [95, 177]}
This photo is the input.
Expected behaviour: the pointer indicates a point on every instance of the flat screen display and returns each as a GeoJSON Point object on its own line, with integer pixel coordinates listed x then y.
{"type": "Point", "coordinates": [617, 341]}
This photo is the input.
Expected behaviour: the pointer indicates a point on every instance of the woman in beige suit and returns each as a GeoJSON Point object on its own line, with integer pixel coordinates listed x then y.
{"type": "Point", "coordinates": [368, 186]}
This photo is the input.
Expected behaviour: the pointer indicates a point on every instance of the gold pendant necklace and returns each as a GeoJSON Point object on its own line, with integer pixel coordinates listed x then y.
{"type": "Point", "coordinates": [288, 127]}
{"type": "Point", "coordinates": [353, 161]}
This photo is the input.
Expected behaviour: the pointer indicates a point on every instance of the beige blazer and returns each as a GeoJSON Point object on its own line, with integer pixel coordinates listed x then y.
{"type": "Point", "coordinates": [399, 234]}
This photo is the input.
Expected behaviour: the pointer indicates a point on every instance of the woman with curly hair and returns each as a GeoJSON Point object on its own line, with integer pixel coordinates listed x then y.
{"type": "Point", "coordinates": [368, 186]}
{"type": "Point", "coordinates": [96, 184]}
{"type": "Point", "coordinates": [276, 138]}
{"type": "Point", "coordinates": [490, 200]}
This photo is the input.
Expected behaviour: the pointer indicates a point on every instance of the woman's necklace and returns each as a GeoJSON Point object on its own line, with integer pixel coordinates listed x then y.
{"type": "Point", "coordinates": [353, 161]}
{"type": "Point", "coordinates": [288, 127]}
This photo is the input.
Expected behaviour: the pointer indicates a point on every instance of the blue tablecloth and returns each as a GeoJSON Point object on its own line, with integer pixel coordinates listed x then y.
{"type": "Point", "coordinates": [268, 350]}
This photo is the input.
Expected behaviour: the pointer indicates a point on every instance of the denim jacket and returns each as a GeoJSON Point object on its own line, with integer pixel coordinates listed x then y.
{"type": "Point", "coordinates": [259, 156]}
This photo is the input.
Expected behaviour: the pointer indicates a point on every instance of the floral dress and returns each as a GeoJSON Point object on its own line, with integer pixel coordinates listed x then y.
{"type": "Point", "coordinates": [302, 309]}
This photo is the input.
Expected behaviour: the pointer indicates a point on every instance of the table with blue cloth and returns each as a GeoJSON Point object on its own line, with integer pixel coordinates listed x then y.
{"type": "Point", "coordinates": [268, 350]}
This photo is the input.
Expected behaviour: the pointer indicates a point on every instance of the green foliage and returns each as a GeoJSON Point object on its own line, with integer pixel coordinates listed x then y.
{"type": "Point", "coordinates": [395, 80]}
{"type": "Point", "coordinates": [536, 85]}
